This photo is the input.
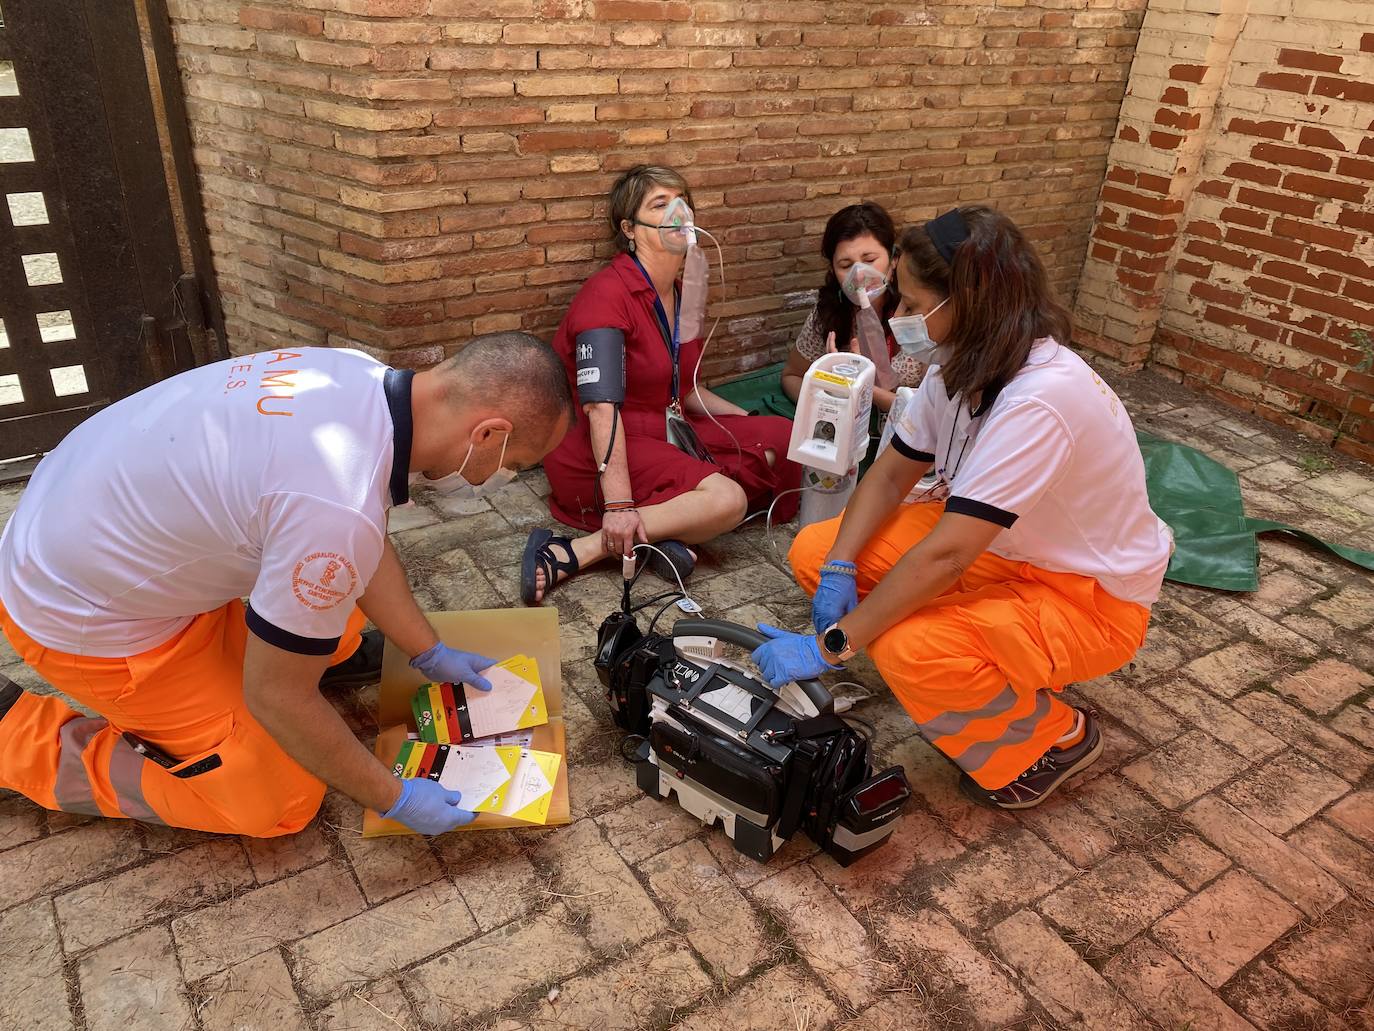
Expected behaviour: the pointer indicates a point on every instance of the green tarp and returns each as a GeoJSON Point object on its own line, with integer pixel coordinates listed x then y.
{"type": "Point", "coordinates": [1215, 542]}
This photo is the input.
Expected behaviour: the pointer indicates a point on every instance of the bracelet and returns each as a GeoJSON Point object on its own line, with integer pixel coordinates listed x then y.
{"type": "Point", "coordinates": [844, 568]}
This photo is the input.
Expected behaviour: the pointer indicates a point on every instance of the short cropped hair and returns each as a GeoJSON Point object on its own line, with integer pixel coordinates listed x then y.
{"type": "Point", "coordinates": [513, 373]}
{"type": "Point", "coordinates": [630, 189]}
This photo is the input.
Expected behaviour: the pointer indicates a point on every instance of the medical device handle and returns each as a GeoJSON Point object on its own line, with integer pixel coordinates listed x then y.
{"type": "Point", "coordinates": [733, 633]}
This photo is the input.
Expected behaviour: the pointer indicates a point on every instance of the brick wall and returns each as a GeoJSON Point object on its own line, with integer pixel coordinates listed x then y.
{"type": "Point", "coordinates": [1234, 245]}
{"type": "Point", "coordinates": [401, 174]}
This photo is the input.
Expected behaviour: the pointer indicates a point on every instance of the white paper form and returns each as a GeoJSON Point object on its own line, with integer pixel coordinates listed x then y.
{"type": "Point", "coordinates": [481, 775]}
{"type": "Point", "coordinates": [500, 709]}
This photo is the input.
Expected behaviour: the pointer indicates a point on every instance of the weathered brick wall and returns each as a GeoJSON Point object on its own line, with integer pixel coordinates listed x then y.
{"type": "Point", "coordinates": [1234, 246]}
{"type": "Point", "coordinates": [401, 174]}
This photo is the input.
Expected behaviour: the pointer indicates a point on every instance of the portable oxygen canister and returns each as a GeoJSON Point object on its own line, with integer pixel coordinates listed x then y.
{"type": "Point", "coordinates": [830, 430]}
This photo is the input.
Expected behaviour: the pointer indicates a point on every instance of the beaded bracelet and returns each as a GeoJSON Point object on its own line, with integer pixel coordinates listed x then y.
{"type": "Point", "coordinates": [846, 568]}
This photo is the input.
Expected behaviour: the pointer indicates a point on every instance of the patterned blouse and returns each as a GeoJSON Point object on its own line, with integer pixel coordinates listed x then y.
{"type": "Point", "coordinates": [811, 345]}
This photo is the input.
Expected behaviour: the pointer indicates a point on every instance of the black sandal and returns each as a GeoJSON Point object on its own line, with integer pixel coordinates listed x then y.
{"type": "Point", "coordinates": [679, 556]}
{"type": "Point", "coordinates": [539, 556]}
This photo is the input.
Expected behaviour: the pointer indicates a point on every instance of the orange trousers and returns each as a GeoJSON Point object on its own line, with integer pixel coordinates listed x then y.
{"type": "Point", "coordinates": [186, 698]}
{"type": "Point", "coordinates": [978, 668]}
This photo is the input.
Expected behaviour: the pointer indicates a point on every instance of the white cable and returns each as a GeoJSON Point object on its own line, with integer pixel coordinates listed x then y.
{"type": "Point", "coordinates": [680, 586]}
{"type": "Point", "coordinates": [768, 523]}
{"type": "Point", "coordinates": [696, 372]}
{"type": "Point", "coordinates": [868, 692]}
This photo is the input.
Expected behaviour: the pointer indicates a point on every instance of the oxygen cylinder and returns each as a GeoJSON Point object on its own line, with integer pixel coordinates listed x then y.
{"type": "Point", "coordinates": [825, 494]}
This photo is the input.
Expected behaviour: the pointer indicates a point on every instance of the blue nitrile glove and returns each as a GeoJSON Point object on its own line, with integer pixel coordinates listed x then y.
{"type": "Point", "coordinates": [788, 656]}
{"type": "Point", "coordinates": [836, 596]}
{"type": "Point", "coordinates": [445, 665]}
{"type": "Point", "coordinates": [427, 807]}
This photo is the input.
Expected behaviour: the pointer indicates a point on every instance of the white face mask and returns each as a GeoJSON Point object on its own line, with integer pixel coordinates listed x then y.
{"type": "Point", "coordinates": [455, 484]}
{"type": "Point", "coordinates": [863, 283]}
{"type": "Point", "coordinates": [913, 336]}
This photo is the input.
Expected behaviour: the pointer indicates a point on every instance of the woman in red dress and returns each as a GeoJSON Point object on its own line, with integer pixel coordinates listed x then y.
{"type": "Point", "coordinates": [616, 475]}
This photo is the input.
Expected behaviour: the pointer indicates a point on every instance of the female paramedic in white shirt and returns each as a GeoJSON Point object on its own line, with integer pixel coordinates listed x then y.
{"type": "Point", "coordinates": [1033, 560]}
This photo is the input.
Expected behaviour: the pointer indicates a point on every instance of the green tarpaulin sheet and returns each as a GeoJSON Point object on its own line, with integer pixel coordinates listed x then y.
{"type": "Point", "coordinates": [1215, 542]}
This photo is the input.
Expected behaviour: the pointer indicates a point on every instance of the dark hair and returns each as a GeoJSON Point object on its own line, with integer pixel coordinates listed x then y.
{"type": "Point", "coordinates": [513, 372]}
{"type": "Point", "coordinates": [1000, 301]}
{"type": "Point", "coordinates": [628, 194]}
{"type": "Point", "coordinates": [834, 312]}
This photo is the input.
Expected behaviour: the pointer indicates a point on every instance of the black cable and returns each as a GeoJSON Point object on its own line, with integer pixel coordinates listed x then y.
{"type": "Point", "coordinates": [659, 614]}
{"type": "Point", "coordinates": [675, 595]}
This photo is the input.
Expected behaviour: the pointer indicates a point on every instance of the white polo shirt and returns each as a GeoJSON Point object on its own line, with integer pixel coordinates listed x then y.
{"type": "Point", "coordinates": [1054, 461]}
{"type": "Point", "coordinates": [267, 476]}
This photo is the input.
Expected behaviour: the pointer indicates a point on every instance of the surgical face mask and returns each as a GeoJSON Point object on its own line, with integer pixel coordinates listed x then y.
{"type": "Point", "coordinates": [455, 484]}
{"type": "Point", "coordinates": [863, 283]}
{"type": "Point", "coordinates": [913, 336]}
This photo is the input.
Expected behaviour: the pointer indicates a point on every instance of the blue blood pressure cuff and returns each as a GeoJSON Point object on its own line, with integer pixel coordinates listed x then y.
{"type": "Point", "coordinates": [600, 359]}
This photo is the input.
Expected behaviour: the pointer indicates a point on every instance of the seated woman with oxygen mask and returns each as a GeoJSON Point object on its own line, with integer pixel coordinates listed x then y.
{"type": "Point", "coordinates": [857, 247]}
{"type": "Point", "coordinates": [1032, 561]}
{"type": "Point", "coordinates": [658, 458]}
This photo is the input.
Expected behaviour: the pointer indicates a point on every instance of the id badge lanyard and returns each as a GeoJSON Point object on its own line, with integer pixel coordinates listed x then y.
{"type": "Point", "coordinates": [670, 338]}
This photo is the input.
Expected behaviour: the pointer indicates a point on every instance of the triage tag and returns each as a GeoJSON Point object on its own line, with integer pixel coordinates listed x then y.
{"type": "Point", "coordinates": [481, 775]}
{"type": "Point", "coordinates": [417, 751]}
{"type": "Point", "coordinates": [515, 701]}
{"type": "Point", "coordinates": [442, 731]}
{"type": "Point", "coordinates": [453, 713]}
{"type": "Point", "coordinates": [424, 715]}
{"type": "Point", "coordinates": [531, 789]}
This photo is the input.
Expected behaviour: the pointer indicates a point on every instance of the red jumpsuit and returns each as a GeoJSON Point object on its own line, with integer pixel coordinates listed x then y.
{"type": "Point", "coordinates": [620, 297]}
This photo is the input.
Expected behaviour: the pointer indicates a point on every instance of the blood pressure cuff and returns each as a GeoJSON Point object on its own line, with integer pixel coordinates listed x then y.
{"type": "Point", "coordinates": [600, 355]}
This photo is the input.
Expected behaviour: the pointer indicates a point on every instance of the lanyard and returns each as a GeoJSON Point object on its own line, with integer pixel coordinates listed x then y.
{"type": "Point", "coordinates": [661, 316]}
{"type": "Point", "coordinates": [971, 428]}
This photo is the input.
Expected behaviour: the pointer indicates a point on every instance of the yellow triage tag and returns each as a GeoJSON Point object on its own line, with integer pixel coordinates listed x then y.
{"type": "Point", "coordinates": [516, 701]}
{"type": "Point", "coordinates": [442, 731]}
{"type": "Point", "coordinates": [412, 761]}
{"type": "Point", "coordinates": [530, 791]}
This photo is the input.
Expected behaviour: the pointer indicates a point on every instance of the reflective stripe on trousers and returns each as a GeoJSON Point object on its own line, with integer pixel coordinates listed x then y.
{"type": "Point", "coordinates": [73, 789]}
{"type": "Point", "coordinates": [1018, 732]}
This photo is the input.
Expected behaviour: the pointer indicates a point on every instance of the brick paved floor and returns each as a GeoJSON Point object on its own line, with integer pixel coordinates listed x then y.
{"type": "Point", "coordinates": [1214, 871]}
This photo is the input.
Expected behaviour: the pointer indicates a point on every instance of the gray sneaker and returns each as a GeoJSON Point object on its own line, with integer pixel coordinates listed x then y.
{"type": "Point", "coordinates": [1044, 776]}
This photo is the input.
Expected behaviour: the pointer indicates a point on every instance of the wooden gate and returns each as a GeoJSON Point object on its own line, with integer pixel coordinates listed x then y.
{"type": "Point", "coordinates": [103, 288]}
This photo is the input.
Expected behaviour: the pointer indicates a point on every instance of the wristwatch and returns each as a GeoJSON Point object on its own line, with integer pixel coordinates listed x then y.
{"type": "Point", "coordinates": [836, 642]}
